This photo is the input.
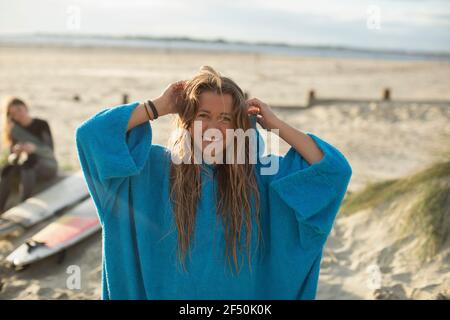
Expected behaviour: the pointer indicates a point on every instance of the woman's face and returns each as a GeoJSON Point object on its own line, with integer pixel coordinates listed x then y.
{"type": "Point", "coordinates": [214, 117]}
{"type": "Point", "coordinates": [18, 113]}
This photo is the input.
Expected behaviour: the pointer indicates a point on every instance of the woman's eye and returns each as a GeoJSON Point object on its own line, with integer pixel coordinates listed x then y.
{"type": "Point", "coordinates": [226, 119]}
{"type": "Point", "coordinates": [203, 115]}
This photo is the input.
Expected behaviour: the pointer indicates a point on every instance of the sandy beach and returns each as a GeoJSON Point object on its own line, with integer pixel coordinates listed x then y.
{"type": "Point", "coordinates": [382, 140]}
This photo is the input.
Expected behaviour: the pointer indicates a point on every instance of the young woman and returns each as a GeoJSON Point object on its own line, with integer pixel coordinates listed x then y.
{"type": "Point", "coordinates": [215, 230]}
{"type": "Point", "coordinates": [27, 150]}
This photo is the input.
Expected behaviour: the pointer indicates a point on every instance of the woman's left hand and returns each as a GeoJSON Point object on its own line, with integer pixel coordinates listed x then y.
{"type": "Point", "coordinates": [265, 116]}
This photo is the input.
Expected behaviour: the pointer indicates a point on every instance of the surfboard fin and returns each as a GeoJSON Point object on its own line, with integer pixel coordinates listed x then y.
{"type": "Point", "coordinates": [33, 244]}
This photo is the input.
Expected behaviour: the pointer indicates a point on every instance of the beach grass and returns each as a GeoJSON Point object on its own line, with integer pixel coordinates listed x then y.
{"type": "Point", "coordinates": [427, 218]}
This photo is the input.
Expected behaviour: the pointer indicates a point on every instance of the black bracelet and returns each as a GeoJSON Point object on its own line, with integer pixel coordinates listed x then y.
{"type": "Point", "coordinates": [155, 112]}
{"type": "Point", "coordinates": [146, 110]}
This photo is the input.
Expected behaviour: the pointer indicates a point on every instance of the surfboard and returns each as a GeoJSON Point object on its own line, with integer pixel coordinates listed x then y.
{"type": "Point", "coordinates": [77, 224]}
{"type": "Point", "coordinates": [44, 204]}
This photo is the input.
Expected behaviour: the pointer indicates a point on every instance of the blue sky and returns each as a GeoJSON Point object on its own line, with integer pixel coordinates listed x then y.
{"type": "Point", "coordinates": [403, 24]}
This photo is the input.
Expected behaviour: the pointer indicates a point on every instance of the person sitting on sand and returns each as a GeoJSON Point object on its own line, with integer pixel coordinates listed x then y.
{"type": "Point", "coordinates": [208, 229]}
{"type": "Point", "coordinates": [27, 151]}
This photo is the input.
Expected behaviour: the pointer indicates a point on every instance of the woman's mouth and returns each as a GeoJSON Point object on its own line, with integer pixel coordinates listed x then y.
{"type": "Point", "coordinates": [211, 139]}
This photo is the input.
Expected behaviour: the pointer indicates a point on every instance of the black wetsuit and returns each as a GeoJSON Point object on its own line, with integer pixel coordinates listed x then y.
{"type": "Point", "coordinates": [29, 170]}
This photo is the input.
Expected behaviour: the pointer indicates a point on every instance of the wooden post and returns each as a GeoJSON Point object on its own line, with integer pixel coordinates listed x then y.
{"type": "Point", "coordinates": [125, 98]}
{"type": "Point", "coordinates": [246, 95]}
{"type": "Point", "coordinates": [311, 98]}
{"type": "Point", "coordinates": [387, 94]}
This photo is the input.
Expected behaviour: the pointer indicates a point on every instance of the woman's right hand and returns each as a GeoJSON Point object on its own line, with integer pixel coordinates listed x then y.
{"type": "Point", "coordinates": [169, 101]}
{"type": "Point", "coordinates": [17, 148]}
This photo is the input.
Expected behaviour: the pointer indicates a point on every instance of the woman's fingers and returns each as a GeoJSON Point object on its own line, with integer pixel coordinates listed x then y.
{"type": "Point", "coordinates": [180, 84]}
{"type": "Point", "coordinates": [264, 114]}
{"type": "Point", "coordinates": [253, 110]}
{"type": "Point", "coordinates": [256, 103]}
{"type": "Point", "coordinates": [251, 102]}
{"type": "Point", "coordinates": [176, 86]}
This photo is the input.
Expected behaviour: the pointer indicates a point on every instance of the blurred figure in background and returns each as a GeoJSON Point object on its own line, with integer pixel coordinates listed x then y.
{"type": "Point", "coordinates": [27, 151]}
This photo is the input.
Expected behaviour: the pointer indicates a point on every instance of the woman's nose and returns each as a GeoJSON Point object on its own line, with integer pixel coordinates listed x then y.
{"type": "Point", "coordinates": [209, 124]}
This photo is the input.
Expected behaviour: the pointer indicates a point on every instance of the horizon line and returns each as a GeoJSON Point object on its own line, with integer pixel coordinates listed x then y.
{"type": "Point", "coordinates": [222, 40]}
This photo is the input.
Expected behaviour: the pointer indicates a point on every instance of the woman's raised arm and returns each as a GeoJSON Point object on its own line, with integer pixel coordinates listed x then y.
{"type": "Point", "coordinates": [166, 103]}
{"type": "Point", "coordinates": [109, 151]}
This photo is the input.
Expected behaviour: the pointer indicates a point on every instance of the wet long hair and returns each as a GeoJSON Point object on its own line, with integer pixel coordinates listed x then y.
{"type": "Point", "coordinates": [237, 185]}
{"type": "Point", "coordinates": [5, 122]}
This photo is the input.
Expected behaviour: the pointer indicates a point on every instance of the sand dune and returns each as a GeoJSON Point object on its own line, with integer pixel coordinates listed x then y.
{"type": "Point", "coordinates": [392, 241]}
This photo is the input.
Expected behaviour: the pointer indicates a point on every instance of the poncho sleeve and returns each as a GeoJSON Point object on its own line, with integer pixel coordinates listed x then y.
{"type": "Point", "coordinates": [108, 153]}
{"type": "Point", "coordinates": [313, 192]}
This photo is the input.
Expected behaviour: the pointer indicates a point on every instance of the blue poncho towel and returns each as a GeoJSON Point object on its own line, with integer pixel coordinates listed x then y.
{"type": "Point", "coordinates": [128, 179]}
